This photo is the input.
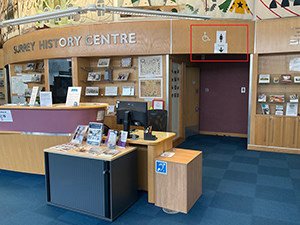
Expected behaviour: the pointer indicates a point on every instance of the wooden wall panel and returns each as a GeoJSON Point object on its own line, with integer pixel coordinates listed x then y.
{"type": "Point", "coordinates": [25, 153]}
{"type": "Point", "coordinates": [236, 36]}
{"type": "Point", "coordinates": [273, 36]}
{"type": "Point", "coordinates": [151, 38]}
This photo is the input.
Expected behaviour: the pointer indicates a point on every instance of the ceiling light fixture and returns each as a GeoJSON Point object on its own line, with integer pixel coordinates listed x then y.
{"type": "Point", "coordinates": [92, 8]}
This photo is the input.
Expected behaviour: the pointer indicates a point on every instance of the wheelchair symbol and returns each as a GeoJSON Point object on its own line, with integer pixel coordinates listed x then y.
{"type": "Point", "coordinates": [205, 37]}
{"type": "Point", "coordinates": [160, 167]}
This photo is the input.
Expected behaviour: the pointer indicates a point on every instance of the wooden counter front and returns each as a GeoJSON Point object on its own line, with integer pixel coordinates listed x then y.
{"type": "Point", "coordinates": [36, 128]}
{"type": "Point", "coordinates": [147, 152]}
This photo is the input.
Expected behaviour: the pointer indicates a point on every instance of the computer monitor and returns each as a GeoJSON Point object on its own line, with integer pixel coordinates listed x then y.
{"type": "Point", "coordinates": [132, 113]}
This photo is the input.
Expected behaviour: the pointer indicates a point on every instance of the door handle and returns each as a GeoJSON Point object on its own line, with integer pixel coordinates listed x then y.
{"type": "Point", "coordinates": [197, 109]}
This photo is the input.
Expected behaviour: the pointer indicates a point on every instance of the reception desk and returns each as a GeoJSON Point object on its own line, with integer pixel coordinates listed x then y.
{"type": "Point", "coordinates": [34, 129]}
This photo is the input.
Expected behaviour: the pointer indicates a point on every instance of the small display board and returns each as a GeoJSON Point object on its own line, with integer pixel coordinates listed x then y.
{"type": "Point", "coordinates": [161, 167]}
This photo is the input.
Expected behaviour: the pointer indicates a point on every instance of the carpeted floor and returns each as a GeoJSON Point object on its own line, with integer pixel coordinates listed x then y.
{"type": "Point", "coordinates": [239, 188]}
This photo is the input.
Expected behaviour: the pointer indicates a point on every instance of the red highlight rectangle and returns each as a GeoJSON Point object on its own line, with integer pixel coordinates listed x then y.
{"type": "Point", "coordinates": [224, 25]}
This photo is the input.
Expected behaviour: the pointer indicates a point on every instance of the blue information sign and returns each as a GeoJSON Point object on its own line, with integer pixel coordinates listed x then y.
{"type": "Point", "coordinates": [161, 167]}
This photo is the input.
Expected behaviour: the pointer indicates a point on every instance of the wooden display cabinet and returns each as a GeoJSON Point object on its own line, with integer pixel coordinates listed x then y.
{"type": "Point", "coordinates": [83, 65]}
{"type": "Point", "coordinates": [22, 69]}
{"type": "Point", "coordinates": [270, 132]}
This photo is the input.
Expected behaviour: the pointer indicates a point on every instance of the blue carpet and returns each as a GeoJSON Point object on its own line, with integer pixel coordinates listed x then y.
{"type": "Point", "coordinates": [240, 187]}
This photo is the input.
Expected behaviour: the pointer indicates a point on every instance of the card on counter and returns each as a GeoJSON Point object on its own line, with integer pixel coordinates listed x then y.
{"type": "Point", "coordinates": [123, 139]}
{"type": "Point", "coordinates": [33, 96]}
{"type": "Point", "coordinates": [46, 98]}
{"type": "Point", "coordinates": [73, 96]}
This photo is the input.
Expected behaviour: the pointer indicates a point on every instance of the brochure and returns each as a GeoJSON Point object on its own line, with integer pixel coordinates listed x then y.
{"type": "Point", "coordinates": [265, 109]}
{"type": "Point", "coordinates": [79, 134]}
{"type": "Point", "coordinates": [277, 98]}
{"type": "Point", "coordinates": [279, 110]}
{"type": "Point", "coordinates": [111, 91]}
{"type": "Point", "coordinates": [264, 79]}
{"type": "Point", "coordinates": [46, 98]}
{"type": "Point", "coordinates": [294, 98]}
{"type": "Point", "coordinates": [262, 98]}
{"type": "Point", "coordinates": [95, 132]}
{"type": "Point", "coordinates": [33, 96]}
{"type": "Point", "coordinates": [111, 140]}
{"type": "Point", "coordinates": [73, 96]}
{"type": "Point", "coordinates": [292, 109]}
{"type": "Point", "coordinates": [123, 139]}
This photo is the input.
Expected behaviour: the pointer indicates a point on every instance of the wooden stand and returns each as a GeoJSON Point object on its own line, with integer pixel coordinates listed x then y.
{"type": "Point", "coordinates": [181, 187]}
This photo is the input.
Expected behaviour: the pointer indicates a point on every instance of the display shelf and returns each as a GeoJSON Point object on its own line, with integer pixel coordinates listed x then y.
{"type": "Point", "coordinates": [276, 65]}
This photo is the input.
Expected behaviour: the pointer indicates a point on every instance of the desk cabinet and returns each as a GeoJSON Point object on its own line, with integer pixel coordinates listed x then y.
{"type": "Point", "coordinates": [99, 188]}
{"type": "Point", "coordinates": [181, 186]}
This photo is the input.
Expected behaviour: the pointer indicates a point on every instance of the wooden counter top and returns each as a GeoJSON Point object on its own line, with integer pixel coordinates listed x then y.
{"type": "Point", "coordinates": [182, 156]}
{"type": "Point", "coordinates": [161, 136]}
{"type": "Point", "coordinates": [123, 151]}
{"type": "Point", "coordinates": [57, 107]}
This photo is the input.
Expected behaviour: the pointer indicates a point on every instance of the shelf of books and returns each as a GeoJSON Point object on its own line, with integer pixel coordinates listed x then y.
{"type": "Point", "coordinates": [277, 118]}
{"type": "Point", "coordinates": [25, 76]}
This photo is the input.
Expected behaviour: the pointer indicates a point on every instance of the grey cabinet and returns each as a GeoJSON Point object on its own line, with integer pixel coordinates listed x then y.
{"type": "Point", "coordinates": [99, 188]}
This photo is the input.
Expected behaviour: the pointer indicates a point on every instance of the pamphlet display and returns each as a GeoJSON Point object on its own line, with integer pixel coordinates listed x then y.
{"type": "Point", "coordinates": [95, 133]}
{"type": "Point", "coordinates": [111, 91]}
{"type": "Point", "coordinates": [279, 110]}
{"type": "Point", "coordinates": [294, 98]}
{"type": "Point", "coordinates": [123, 139]}
{"type": "Point", "coordinates": [91, 91]}
{"type": "Point", "coordinates": [33, 96]}
{"type": "Point", "coordinates": [292, 109]}
{"type": "Point", "coordinates": [264, 79]}
{"type": "Point", "coordinates": [111, 140]}
{"type": "Point", "coordinates": [265, 109]}
{"type": "Point", "coordinates": [79, 134]}
{"type": "Point", "coordinates": [128, 91]}
{"type": "Point", "coordinates": [46, 98]}
{"type": "Point", "coordinates": [73, 96]}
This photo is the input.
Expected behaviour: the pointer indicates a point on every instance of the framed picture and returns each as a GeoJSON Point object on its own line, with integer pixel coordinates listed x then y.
{"type": "Point", "coordinates": [91, 91]}
{"type": "Point", "coordinates": [286, 78]}
{"type": "Point", "coordinates": [111, 91]}
{"type": "Point", "coordinates": [123, 76]}
{"type": "Point", "coordinates": [128, 91]}
{"type": "Point", "coordinates": [126, 62]}
{"type": "Point", "coordinates": [158, 104]}
{"type": "Point", "coordinates": [94, 76]}
{"type": "Point", "coordinates": [297, 79]}
{"type": "Point", "coordinates": [151, 88]}
{"type": "Point", "coordinates": [264, 79]}
{"type": "Point", "coordinates": [103, 62]}
{"type": "Point", "coordinates": [150, 66]}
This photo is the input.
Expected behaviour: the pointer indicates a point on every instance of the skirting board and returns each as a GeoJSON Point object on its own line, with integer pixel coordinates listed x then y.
{"type": "Point", "coordinates": [273, 149]}
{"type": "Point", "coordinates": [223, 134]}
